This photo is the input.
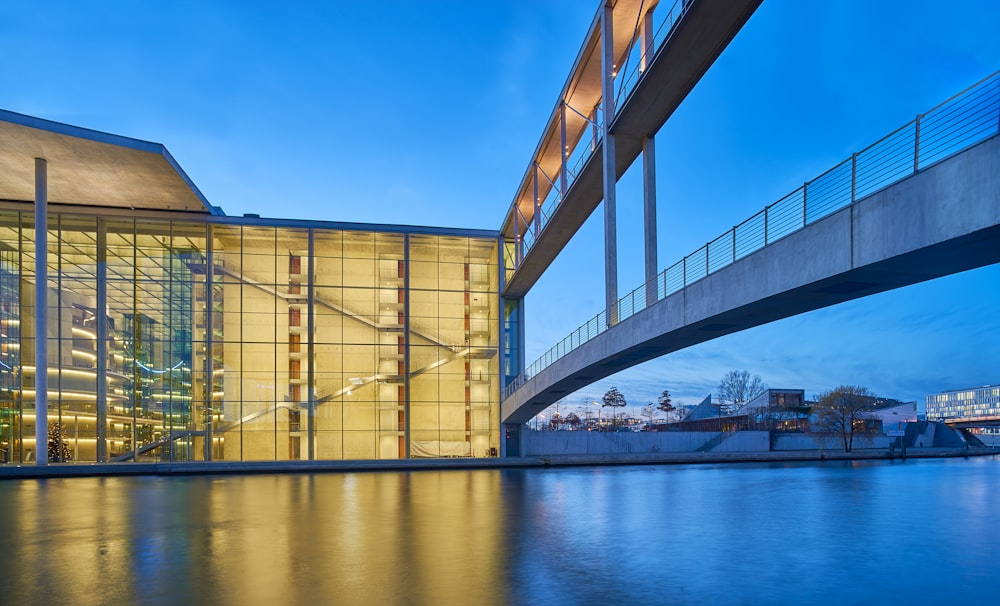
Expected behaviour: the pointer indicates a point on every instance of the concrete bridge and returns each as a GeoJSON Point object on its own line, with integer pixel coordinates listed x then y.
{"type": "Point", "coordinates": [922, 203]}
{"type": "Point", "coordinates": [981, 421]}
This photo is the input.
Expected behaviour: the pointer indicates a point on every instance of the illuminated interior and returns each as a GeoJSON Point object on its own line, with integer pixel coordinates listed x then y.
{"type": "Point", "coordinates": [240, 340]}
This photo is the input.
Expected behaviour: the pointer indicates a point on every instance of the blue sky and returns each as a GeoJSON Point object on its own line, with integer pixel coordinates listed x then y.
{"type": "Point", "coordinates": [427, 113]}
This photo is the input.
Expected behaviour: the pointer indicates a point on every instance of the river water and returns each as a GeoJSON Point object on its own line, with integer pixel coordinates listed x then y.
{"type": "Point", "coordinates": [914, 532]}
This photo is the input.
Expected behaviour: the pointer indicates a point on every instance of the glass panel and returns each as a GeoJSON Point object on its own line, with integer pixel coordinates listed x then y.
{"type": "Point", "coordinates": [208, 345]}
{"type": "Point", "coordinates": [453, 347]}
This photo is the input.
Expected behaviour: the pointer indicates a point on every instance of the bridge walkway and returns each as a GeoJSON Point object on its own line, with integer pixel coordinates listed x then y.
{"type": "Point", "coordinates": [921, 203]}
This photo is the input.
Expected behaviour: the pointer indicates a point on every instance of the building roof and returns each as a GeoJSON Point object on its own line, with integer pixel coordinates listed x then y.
{"type": "Point", "coordinates": [92, 168]}
{"type": "Point", "coordinates": [704, 410]}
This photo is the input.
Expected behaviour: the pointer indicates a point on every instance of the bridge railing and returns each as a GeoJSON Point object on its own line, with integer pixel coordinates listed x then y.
{"type": "Point", "coordinates": [664, 20]}
{"type": "Point", "coordinates": [664, 24]}
{"type": "Point", "coordinates": [967, 118]}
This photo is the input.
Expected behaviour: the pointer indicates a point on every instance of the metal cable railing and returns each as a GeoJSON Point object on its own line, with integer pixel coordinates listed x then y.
{"type": "Point", "coordinates": [962, 121]}
{"type": "Point", "coordinates": [664, 22]}
{"type": "Point", "coordinates": [583, 150]}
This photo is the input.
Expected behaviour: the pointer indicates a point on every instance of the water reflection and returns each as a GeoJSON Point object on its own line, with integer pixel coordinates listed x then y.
{"type": "Point", "coordinates": [771, 533]}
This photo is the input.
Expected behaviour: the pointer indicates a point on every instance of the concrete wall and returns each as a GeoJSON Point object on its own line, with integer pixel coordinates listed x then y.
{"type": "Point", "coordinates": [806, 441]}
{"type": "Point", "coordinates": [538, 443]}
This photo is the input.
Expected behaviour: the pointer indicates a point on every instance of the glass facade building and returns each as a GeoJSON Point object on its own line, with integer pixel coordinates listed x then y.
{"type": "Point", "coordinates": [182, 336]}
{"type": "Point", "coordinates": [972, 404]}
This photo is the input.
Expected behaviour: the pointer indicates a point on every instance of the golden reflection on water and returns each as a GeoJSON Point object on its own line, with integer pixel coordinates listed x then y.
{"type": "Point", "coordinates": [390, 538]}
{"type": "Point", "coordinates": [704, 534]}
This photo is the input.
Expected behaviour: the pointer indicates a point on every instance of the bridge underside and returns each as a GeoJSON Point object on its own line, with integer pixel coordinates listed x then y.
{"type": "Point", "coordinates": [977, 422]}
{"type": "Point", "coordinates": [942, 220]}
{"type": "Point", "coordinates": [700, 37]}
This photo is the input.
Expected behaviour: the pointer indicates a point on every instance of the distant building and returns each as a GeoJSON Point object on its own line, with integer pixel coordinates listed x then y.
{"type": "Point", "coordinates": [705, 410]}
{"type": "Point", "coordinates": [779, 410]}
{"type": "Point", "coordinates": [708, 415]}
{"type": "Point", "coordinates": [971, 404]}
{"type": "Point", "coordinates": [787, 410]}
{"type": "Point", "coordinates": [895, 418]}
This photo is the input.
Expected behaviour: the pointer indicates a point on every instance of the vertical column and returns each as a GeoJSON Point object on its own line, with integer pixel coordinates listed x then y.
{"type": "Point", "coordinates": [137, 347]}
{"type": "Point", "coordinates": [467, 329]}
{"type": "Point", "coordinates": [537, 220]}
{"type": "Point", "coordinates": [610, 173]}
{"type": "Point", "coordinates": [406, 336]}
{"type": "Point", "coordinates": [311, 349]}
{"type": "Point", "coordinates": [594, 135]}
{"type": "Point", "coordinates": [209, 403]}
{"type": "Point", "coordinates": [563, 153]}
{"type": "Point", "coordinates": [399, 277]}
{"type": "Point", "coordinates": [101, 317]}
{"type": "Point", "coordinates": [648, 170]}
{"type": "Point", "coordinates": [41, 313]}
{"type": "Point", "coordinates": [499, 327]}
{"type": "Point", "coordinates": [517, 235]}
{"type": "Point", "coordinates": [520, 337]}
{"type": "Point", "coordinates": [501, 284]}
{"type": "Point", "coordinates": [649, 215]}
{"type": "Point", "coordinates": [646, 40]}
{"type": "Point", "coordinates": [59, 344]}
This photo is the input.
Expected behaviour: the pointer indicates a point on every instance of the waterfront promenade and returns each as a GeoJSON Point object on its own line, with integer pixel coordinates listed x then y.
{"type": "Point", "coordinates": [68, 470]}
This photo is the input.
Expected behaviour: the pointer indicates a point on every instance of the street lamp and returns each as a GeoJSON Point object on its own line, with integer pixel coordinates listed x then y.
{"type": "Point", "coordinates": [599, 407]}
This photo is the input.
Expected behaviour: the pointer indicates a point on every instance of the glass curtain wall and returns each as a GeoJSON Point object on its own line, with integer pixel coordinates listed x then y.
{"type": "Point", "coordinates": [13, 348]}
{"type": "Point", "coordinates": [454, 368]}
{"type": "Point", "coordinates": [173, 340]}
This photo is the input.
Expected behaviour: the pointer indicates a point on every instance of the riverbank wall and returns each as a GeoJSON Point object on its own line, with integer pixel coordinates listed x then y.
{"type": "Point", "coordinates": [920, 434]}
{"type": "Point", "coordinates": [70, 470]}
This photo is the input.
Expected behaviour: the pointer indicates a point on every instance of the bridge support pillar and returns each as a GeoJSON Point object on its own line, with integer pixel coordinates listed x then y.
{"type": "Point", "coordinates": [511, 445]}
{"type": "Point", "coordinates": [649, 216]}
{"type": "Point", "coordinates": [608, 69]}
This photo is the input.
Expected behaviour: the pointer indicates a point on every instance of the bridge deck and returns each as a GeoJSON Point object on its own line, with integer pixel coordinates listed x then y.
{"type": "Point", "coordinates": [678, 63]}
{"type": "Point", "coordinates": [941, 220]}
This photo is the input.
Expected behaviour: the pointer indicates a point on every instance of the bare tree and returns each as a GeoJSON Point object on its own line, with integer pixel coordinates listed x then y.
{"type": "Point", "coordinates": [614, 399]}
{"type": "Point", "coordinates": [842, 411]}
{"type": "Point", "coordinates": [649, 410]}
{"type": "Point", "coordinates": [738, 387]}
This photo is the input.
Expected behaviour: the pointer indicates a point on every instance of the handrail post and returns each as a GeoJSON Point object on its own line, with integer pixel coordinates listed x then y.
{"type": "Point", "coordinates": [854, 175]}
{"type": "Point", "coordinates": [804, 198]}
{"type": "Point", "coordinates": [765, 224]}
{"type": "Point", "coordinates": [916, 145]}
{"type": "Point", "coordinates": [593, 130]}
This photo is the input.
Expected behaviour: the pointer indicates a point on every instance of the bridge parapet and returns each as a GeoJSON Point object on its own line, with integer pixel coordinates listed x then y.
{"type": "Point", "coordinates": [954, 126]}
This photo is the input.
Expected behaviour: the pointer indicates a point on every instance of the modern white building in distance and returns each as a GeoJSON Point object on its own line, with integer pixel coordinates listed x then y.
{"type": "Point", "coordinates": [970, 404]}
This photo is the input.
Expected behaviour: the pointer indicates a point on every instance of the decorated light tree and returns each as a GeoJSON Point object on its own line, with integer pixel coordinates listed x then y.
{"type": "Point", "coordinates": [58, 448]}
